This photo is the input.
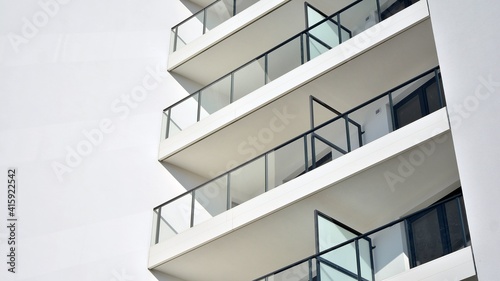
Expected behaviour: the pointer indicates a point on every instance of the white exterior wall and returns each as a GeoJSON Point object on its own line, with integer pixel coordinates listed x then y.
{"type": "Point", "coordinates": [467, 41]}
{"type": "Point", "coordinates": [69, 72]}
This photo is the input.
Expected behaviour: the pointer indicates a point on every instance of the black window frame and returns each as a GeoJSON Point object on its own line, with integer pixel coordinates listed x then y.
{"type": "Point", "coordinates": [422, 96]}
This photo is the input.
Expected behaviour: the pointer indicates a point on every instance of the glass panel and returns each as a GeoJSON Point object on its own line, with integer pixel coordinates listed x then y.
{"type": "Point", "coordinates": [390, 254]}
{"type": "Point", "coordinates": [172, 40]}
{"type": "Point", "coordinates": [286, 163]}
{"type": "Point", "coordinates": [284, 59]}
{"type": "Point", "coordinates": [190, 30]}
{"type": "Point", "coordinates": [354, 134]}
{"type": "Point", "coordinates": [344, 260]}
{"type": "Point", "coordinates": [175, 217]}
{"type": "Point", "coordinates": [299, 272]}
{"type": "Point", "coordinates": [409, 111]}
{"type": "Point", "coordinates": [464, 220]}
{"type": "Point", "coordinates": [374, 118]}
{"type": "Point", "coordinates": [454, 225]}
{"type": "Point", "coordinates": [427, 243]}
{"type": "Point", "coordinates": [326, 33]}
{"type": "Point", "coordinates": [155, 226]}
{"type": "Point", "coordinates": [432, 96]}
{"type": "Point", "coordinates": [315, 48]}
{"type": "Point", "coordinates": [210, 200]}
{"type": "Point", "coordinates": [331, 234]}
{"type": "Point", "coordinates": [173, 128]}
{"type": "Point", "coordinates": [365, 259]}
{"type": "Point", "coordinates": [164, 122]}
{"type": "Point", "coordinates": [247, 182]}
{"type": "Point", "coordinates": [335, 133]}
{"type": "Point", "coordinates": [218, 13]}
{"type": "Point", "coordinates": [322, 114]}
{"type": "Point", "coordinates": [249, 78]}
{"type": "Point", "coordinates": [313, 17]}
{"type": "Point", "coordinates": [328, 273]}
{"type": "Point", "coordinates": [183, 115]}
{"type": "Point", "coordinates": [215, 96]}
{"type": "Point", "coordinates": [359, 17]}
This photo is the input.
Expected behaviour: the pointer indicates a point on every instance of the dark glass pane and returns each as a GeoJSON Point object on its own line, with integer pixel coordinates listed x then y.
{"type": "Point", "coordinates": [466, 224]}
{"type": "Point", "coordinates": [454, 225]}
{"type": "Point", "coordinates": [409, 111]}
{"type": "Point", "coordinates": [432, 95]}
{"type": "Point", "coordinates": [427, 243]}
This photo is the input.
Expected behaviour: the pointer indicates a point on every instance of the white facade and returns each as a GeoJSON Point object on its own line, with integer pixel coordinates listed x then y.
{"type": "Point", "coordinates": [82, 94]}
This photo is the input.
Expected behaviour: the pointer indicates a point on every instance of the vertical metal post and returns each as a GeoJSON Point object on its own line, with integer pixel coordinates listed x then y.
{"type": "Point", "coordinates": [302, 48]}
{"type": "Point", "coordinates": [313, 151]}
{"type": "Point", "coordinates": [266, 173]}
{"type": "Point", "coordinates": [339, 28]}
{"type": "Point", "coordinates": [306, 168]}
{"type": "Point", "coordinates": [192, 208]}
{"type": "Point", "coordinates": [308, 48]}
{"type": "Point", "coordinates": [175, 38]}
{"type": "Point", "coordinates": [168, 123]}
{"type": "Point", "coordinates": [391, 107]}
{"type": "Point", "coordinates": [379, 13]}
{"type": "Point", "coordinates": [157, 234]}
{"type": "Point", "coordinates": [348, 134]}
{"type": "Point", "coordinates": [440, 91]}
{"type": "Point", "coordinates": [311, 111]}
{"type": "Point", "coordinates": [199, 107]}
{"type": "Point", "coordinates": [309, 263]}
{"type": "Point", "coordinates": [360, 137]}
{"type": "Point", "coordinates": [204, 20]}
{"type": "Point", "coordinates": [358, 262]}
{"type": "Point", "coordinates": [231, 91]}
{"type": "Point", "coordinates": [228, 190]}
{"type": "Point", "coordinates": [266, 69]}
{"type": "Point", "coordinates": [234, 8]}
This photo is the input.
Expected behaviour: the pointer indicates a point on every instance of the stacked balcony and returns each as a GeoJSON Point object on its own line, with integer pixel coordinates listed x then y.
{"type": "Point", "coordinates": [313, 123]}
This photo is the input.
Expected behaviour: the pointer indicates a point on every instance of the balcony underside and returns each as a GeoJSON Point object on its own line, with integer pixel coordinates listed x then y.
{"type": "Point", "coordinates": [277, 228]}
{"type": "Point", "coordinates": [340, 78]}
{"type": "Point", "coordinates": [243, 38]}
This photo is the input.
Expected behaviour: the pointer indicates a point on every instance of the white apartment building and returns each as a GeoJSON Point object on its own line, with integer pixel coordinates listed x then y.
{"type": "Point", "coordinates": [301, 140]}
{"type": "Point", "coordinates": [322, 141]}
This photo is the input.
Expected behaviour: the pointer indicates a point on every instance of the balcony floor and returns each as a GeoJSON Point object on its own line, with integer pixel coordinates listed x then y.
{"type": "Point", "coordinates": [277, 228]}
{"type": "Point", "coordinates": [341, 79]}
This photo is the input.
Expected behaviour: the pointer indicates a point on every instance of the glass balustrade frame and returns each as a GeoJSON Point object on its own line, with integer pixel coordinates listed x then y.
{"type": "Point", "coordinates": [403, 220]}
{"type": "Point", "coordinates": [309, 143]}
{"type": "Point", "coordinates": [305, 38]}
{"type": "Point", "coordinates": [204, 15]}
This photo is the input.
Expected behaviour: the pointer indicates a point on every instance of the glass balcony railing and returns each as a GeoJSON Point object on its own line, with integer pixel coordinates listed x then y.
{"type": "Point", "coordinates": [388, 250]}
{"type": "Point", "coordinates": [205, 20]}
{"type": "Point", "coordinates": [325, 142]}
{"type": "Point", "coordinates": [323, 34]}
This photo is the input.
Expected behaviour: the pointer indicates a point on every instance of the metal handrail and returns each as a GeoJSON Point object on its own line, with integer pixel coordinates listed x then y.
{"type": "Point", "coordinates": [366, 234]}
{"type": "Point", "coordinates": [341, 116]}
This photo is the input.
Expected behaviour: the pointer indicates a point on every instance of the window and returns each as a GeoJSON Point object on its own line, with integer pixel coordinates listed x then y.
{"type": "Point", "coordinates": [437, 231]}
{"type": "Point", "coordinates": [418, 104]}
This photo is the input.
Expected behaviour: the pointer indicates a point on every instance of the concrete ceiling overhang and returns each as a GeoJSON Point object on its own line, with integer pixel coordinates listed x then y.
{"type": "Point", "coordinates": [285, 235]}
{"type": "Point", "coordinates": [353, 82]}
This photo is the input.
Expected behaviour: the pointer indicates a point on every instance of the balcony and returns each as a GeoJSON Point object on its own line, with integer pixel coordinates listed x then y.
{"type": "Point", "coordinates": [276, 228]}
{"type": "Point", "coordinates": [323, 33]}
{"type": "Point", "coordinates": [205, 20]}
{"type": "Point", "coordinates": [389, 55]}
{"type": "Point", "coordinates": [240, 38]}
{"type": "Point", "coordinates": [389, 251]}
{"type": "Point", "coordinates": [323, 143]}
